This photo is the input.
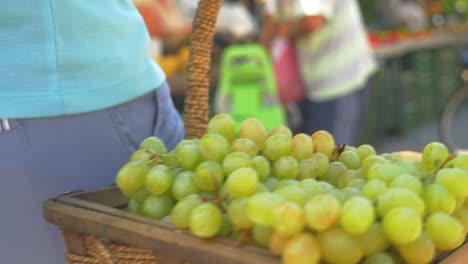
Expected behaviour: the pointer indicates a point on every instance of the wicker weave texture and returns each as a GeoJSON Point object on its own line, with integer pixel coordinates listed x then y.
{"type": "Point", "coordinates": [111, 254]}
{"type": "Point", "coordinates": [197, 97]}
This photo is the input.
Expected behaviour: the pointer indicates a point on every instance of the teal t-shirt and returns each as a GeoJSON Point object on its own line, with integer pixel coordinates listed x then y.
{"type": "Point", "coordinates": [60, 57]}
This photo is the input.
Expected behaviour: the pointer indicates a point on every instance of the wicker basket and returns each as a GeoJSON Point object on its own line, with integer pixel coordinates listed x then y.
{"type": "Point", "coordinates": [97, 231]}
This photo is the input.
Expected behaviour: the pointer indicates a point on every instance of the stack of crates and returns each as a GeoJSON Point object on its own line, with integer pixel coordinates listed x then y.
{"type": "Point", "coordinates": [408, 95]}
{"type": "Point", "coordinates": [447, 70]}
{"type": "Point", "coordinates": [426, 103]}
{"type": "Point", "coordinates": [370, 130]}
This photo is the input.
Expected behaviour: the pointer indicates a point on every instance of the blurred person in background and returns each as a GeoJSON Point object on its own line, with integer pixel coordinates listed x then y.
{"type": "Point", "coordinates": [78, 93]}
{"type": "Point", "coordinates": [334, 59]}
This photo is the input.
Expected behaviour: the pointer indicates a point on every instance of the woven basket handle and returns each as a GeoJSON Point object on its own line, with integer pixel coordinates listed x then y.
{"type": "Point", "coordinates": [196, 101]}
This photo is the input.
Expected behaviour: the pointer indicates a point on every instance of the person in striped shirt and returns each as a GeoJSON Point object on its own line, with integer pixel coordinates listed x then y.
{"type": "Point", "coordinates": [334, 58]}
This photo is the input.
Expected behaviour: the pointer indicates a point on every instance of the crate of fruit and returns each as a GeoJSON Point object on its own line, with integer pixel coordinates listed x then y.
{"type": "Point", "coordinates": [266, 197]}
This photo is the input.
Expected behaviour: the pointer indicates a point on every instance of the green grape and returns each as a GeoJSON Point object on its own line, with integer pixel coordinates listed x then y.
{"type": "Point", "coordinates": [421, 250]}
{"type": "Point", "coordinates": [157, 206]}
{"type": "Point", "coordinates": [302, 147]}
{"type": "Point", "coordinates": [339, 195]}
{"type": "Point", "coordinates": [141, 155]}
{"type": "Point", "coordinates": [140, 195]}
{"type": "Point", "coordinates": [438, 200]}
{"type": "Point", "coordinates": [325, 186]}
{"type": "Point", "coordinates": [335, 170]}
{"type": "Point", "coordinates": [322, 212]}
{"type": "Point", "coordinates": [402, 225]}
{"type": "Point", "coordinates": [180, 215]}
{"type": "Point", "coordinates": [380, 258]}
{"type": "Point", "coordinates": [397, 197]}
{"type": "Point", "coordinates": [176, 171]}
{"type": "Point", "coordinates": [351, 159]}
{"type": "Point", "coordinates": [370, 161]}
{"type": "Point", "coordinates": [128, 194]}
{"type": "Point", "coordinates": [350, 192]}
{"type": "Point", "coordinates": [311, 188]}
{"type": "Point", "coordinates": [153, 145]}
{"type": "Point", "coordinates": [242, 182]}
{"type": "Point", "coordinates": [207, 195]}
{"type": "Point", "coordinates": [260, 208]}
{"type": "Point", "coordinates": [208, 176]}
{"type": "Point", "coordinates": [286, 167]}
{"type": "Point", "coordinates": [237, 211]}
{"type": "Point", "coordinates": [388, 157]}
{"type": "Point", "coordinates": [188, 154]}
{"type": "Point", "coordinates": [184, 185]}
{"type": "Point", "coordinates": [461, 215]}
{"type": "Point", "coordinates": [292, 193]}
{"type": "Point", "coordinates": [223, 193]}
{"type": "Point", "coordinates": [167, 219]}
{"type": "Point", "coordinates": [407, 181]}
{"type": "Point", "coordinates": [226, 227]}
{"type": "Point", "coordinates": [338, 247]}
{"type": "Point", "coordinates": [308, 169]}
{"type": "Point", "coordinates": [131, 176]}
{"type": "Point", "coordinates": [134, 206]}
{"type": "Point", "coordinates": [455, 180]}
{"type": "Point", "coordinates": [373, 189]}
{"type": "Point", "coordinates": [350, 148]}
{"type": "Point", "coordinates": [301, 249]}
{"type": "Point", "coordinates": [261, 235]}
{"type": "Point", "coordinates": [434, 154]}
{"type": "Point", "coordinates": [277, 146]}
{"type": "Point", "coordinates": [373, 240]}
{"type": "Point", "coordinates": [322, 161]}
{"type": "Point", "coordinates": [346, 177]}
{"type": "Point", "coordinates": [281, 130]}
{"type": "Point", "coordinates": [408, 166]}
{"type": "Point", "coordinates": [277, 243]}
{"type": "Point", "coordinates": [460, 201]}
{"type": "Point", "coordinates": [255, 131]}
{"type": "Point", "coordinates": [460, 161]}
{"type": "Point", "coordinates": [365, 151]}
{"type": "Point", "coordinates": [288, 219]}
{"type": "Point", "coordinates": [236, 160]}
{"type": "Point", "coordinates": [443, 229]}
{"type": "Point", "coordinates": [262, 166]}
{"type": "Point", "coordinates": [222, 124]}
{"type": "Point", "coordinates": [206, 220]}
{"type": "Point", "coordinates": [452, 245]}
{"type": "Point", "coordinates": [324, 143]}
{"type": "Point", "coordinates": [283, 183]}
{"type": "Point", "coordinates": [159, 179]}
{"type": "Point", "coordinates": [262, 188]}
{"type": "Point", "coordinates": [385, 172]}
{"type": "Point", "coordinates": [244, 145]}
{"type": "Point", "coordinates": [357, 183]}
{"type": "Point", "coordinates": [271, 182]}
{"type": "Point", "coordinates": [214, 147]}
{"type": "Point", "coordinates": [357, 215]}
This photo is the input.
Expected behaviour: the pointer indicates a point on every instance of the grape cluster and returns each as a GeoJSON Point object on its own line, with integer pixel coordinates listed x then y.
{"type": "Point", "coordinates": [301, 196]}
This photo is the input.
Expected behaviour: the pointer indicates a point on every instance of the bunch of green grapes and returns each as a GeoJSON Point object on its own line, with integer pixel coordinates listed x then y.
{"type": "Point", "coordinates": [301, 196]}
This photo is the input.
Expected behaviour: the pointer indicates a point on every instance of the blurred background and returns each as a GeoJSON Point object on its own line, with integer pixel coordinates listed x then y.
{"type": "Point", "coordinates": [419, 46]}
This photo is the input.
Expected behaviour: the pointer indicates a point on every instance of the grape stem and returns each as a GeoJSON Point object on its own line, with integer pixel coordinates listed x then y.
{"type": "Point", "coordinates": [442, 165]}
{"type": "Point", "coordinates": [244, 234]}
{"type": "Point", "coordinates": [337, 152]}
{"type": "Point", "coordinates": [159, 159]}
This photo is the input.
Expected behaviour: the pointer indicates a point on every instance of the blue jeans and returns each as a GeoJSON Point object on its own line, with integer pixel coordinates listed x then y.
{"type": "Point", "coordinates": [42, 158]}
{"type": "Point", "coordinates": [342, 117]}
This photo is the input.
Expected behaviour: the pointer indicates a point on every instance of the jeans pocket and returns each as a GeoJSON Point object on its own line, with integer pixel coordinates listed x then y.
{"type": "Point", "coordinates": [135, 120]}
{"type": "Point", "coordinates": [169, 127]}
{"type": "Point", "coordinates": [13, 141]}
